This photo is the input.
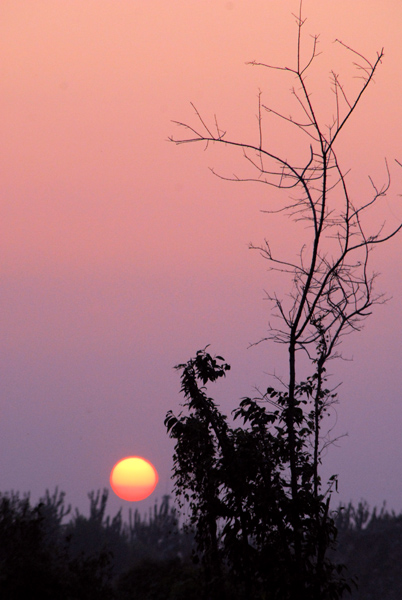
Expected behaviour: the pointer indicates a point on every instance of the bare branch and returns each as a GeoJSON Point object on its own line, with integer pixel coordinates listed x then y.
{"type": "Point", "coordinates": [331, 287]}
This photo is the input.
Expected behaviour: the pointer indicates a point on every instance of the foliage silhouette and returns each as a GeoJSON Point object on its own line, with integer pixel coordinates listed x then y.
{"type": "Point", "coordinates": [34, 557]}
{"type": "Point", "coordinates": [37, 560]}
{"type": "Point", "coordinates": [235, 481]}
{"type": "Point", "coordinates": [93, 557]}
{"type": "Point", "coordinates": [370, 543]}
{"type": "Point", "coordinates": [272, 530]}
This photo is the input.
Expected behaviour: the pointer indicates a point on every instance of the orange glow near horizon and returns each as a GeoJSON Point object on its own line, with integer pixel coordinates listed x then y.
{"type": "Point", "coordinates": [133, 478]}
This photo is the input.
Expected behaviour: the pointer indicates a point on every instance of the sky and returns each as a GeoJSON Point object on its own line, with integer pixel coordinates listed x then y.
{"type": "Point", "coordinates": [122, 255]}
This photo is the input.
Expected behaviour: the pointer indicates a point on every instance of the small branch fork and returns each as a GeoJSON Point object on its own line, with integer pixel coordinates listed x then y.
{"type": "Point", "coordinates": [331, 286]}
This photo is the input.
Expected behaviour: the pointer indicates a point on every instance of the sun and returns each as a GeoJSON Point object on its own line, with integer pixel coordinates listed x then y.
{"type": "Point", "coordinates": [133, 478]}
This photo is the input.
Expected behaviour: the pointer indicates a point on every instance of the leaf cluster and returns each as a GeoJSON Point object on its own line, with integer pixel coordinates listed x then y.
{"type": "Point", "coordinates": [235, 483]}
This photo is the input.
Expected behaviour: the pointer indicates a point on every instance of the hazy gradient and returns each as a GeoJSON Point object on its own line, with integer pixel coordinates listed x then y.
{"type": "Point", "coordinates": [121, 254]}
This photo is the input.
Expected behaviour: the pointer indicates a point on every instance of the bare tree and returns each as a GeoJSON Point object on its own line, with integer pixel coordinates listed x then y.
{"type": "Point", "coordinates": [331, 285]}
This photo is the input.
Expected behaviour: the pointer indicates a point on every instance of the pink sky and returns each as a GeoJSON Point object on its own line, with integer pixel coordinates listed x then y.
{"type": "Point", "coordinates": [121, 253]}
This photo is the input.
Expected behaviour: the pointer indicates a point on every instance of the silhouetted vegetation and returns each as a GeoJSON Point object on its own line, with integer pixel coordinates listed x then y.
{"type": "Point", "coordinates": [260, 525]}
{"type": "Point", "coordinates": [236, 481]}
{"type": "Point", "coordinates": [370, 544]}
{"type": "Point", "coordinates": [258, 505]}
{"type": "Point", "coordinates": [48, 552]}
{"type": "Point", "coordinates": [44, 555]}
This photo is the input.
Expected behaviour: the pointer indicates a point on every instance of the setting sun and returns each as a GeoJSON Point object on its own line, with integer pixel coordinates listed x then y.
{"type": "Point", "coordinates": [133, 478]}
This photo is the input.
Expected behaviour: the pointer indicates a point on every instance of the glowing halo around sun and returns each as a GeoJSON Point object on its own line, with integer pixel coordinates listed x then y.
{"type": "Point", "coordinates": [133, 478]}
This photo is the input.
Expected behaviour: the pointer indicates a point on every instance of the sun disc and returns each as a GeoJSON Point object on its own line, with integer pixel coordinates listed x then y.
{"type": "Point", "coordinates": [133, 478]}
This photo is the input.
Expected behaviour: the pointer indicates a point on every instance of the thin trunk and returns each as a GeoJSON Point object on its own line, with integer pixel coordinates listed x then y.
{"type": "Point", "coordinates": [294, 477]}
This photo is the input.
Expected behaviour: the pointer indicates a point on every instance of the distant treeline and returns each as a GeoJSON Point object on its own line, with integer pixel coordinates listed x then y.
{"type": "Point", "coordinates": [370, 545]}
{"type": "Point", "coordinates": [49, 551]}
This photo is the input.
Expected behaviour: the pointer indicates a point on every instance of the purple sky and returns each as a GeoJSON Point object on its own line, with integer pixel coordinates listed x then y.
{"type": "Point", "coordinates": [122, 255]}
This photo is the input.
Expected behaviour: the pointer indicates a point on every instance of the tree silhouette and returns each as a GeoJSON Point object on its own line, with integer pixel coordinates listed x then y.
{"type": "Point", "coordinates": [331, 292]}
{"type": "Point", "coordinates": [35, 558]}
{"type": "Point", "coordinates": [236, 484]}
{"type": "Point", "coordinates": [95, 557]}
